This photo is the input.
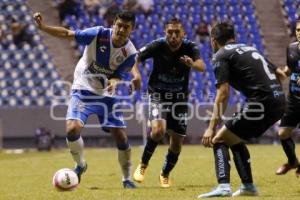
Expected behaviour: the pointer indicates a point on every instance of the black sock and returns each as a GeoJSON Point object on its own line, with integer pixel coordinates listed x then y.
{"type": "Point", "coordinates": [222, 162]}
{"type": "Point", "coordinates": [148, 151]}
{"type": "Point", "coordinates": [288, 146]}
{"type": "Point", "coordinates": [241, 159]}
{"type": "Point", "coordinates": [170, 162]}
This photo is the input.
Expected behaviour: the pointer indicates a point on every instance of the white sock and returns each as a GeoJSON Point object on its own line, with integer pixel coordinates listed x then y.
{"type": "Point", "coordinates": [76, 150]}
{"type": "Point", "coordinates": [124, 157]}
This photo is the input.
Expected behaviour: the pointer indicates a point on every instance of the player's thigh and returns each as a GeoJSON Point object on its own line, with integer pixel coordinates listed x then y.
{"type": "Point", "coordinates": [74, 126]}
{"type": "Point", "coordinates": [110, 115]}
{"type": "Point", "coordinates": [177, 119]}
{"type": "Point", "coordinates": [158, 126]}
{"type": "Point", "coordinates": [176, 141]}
{"type": "Point", "coordinates": [119, 135]}
{"type": "Point", "coordinates": [289, 122]}
{"type": "Point", "coordinates": [285, 132]}
{"type": "Point", "coordinates": [226, 136]}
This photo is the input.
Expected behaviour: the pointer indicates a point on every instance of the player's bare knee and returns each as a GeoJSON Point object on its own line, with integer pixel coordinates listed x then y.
{"type": "Point", "coordinates": [157, 132]}
{"type": "Point", "coordinates": [284, 133]}
{"type": "Point", "coordinates": [216, 140]}
{"type": "Point", "coordinates": [73, 127]}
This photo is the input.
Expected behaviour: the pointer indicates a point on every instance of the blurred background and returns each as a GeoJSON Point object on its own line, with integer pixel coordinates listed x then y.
{"type": "Point", "coordinates": [36, 70]}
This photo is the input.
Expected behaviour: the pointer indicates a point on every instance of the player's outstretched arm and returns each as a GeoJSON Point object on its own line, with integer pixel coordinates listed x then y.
{"type": "Point", "coordinates": [53, 30]}
{"type": "Point", "coordinates": [137, 78]}
{"type": "Point", "coordinates": [219, 109]}
{"type": "Point", "coordinates": [197, 64]}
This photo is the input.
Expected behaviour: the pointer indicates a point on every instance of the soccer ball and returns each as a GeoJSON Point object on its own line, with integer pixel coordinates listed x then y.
{"type": "Point", "coordinates": [65, 179]}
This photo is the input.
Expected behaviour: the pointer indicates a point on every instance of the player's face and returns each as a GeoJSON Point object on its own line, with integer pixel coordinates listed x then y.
{"type": "Point", "coordinates": [298, 31]}
{"type": "Point", "coordinates": [121, 31]}
{"type": "Point", "coordinates": [174, 35]}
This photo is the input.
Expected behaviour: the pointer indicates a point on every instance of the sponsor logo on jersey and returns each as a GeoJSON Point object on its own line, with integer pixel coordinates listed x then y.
{"type": "Point", "coordinates": [119, 59]}
{"type": "Point", "coordinates": [103, 39]}
{"type": "Point", "coordinates": [103, 48]}
{"type": "Point", "coordinates": [94, 68]}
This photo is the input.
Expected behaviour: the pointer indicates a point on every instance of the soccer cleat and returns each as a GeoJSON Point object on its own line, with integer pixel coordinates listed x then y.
{"type": "Point", "coordinates": [128, 184]}
{"type": "Point", "coordinates": [285, 168]}
{"type": "Point", "coordinates": [222, 190]}
{"type": "Point", "coordinates": [164, 181]}
{"type": "Point", "coordinates": [139, 173]}
{"type": "Point", "coordinates": [246, 190]}
{"type": "Point", "coordinates": [80, 170]}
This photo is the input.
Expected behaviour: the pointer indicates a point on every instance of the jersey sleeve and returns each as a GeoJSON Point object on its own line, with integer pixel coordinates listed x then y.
{"type": "Point", "coordinates": [221, 71]}
{"type": "Point", "coordinates": [195, 51]}
{"type": "Point", "coordinates": [125, 67]}
{"type": "Point", "coordinates": [148, 51]}
{"type": "Point", "coordinates": [86, 36]}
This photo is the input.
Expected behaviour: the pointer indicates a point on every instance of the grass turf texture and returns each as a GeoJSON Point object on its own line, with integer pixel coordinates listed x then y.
{"type": "Point", "coordinates": [28, 176]}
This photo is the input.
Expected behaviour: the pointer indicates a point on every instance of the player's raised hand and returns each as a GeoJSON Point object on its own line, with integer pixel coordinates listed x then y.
{"type": "Point", "coordinates": [207, 137]}
{"type": "Point", "coordinates": [186, 60]}
{"type": "Point", "coordinates": [38, 19]}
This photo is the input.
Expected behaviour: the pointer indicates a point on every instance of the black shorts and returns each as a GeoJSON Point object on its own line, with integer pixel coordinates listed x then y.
{"type": "Point", "coordinates": [249, 123]}
{"type": "Point", "coordinates": [175, 114]}
{"type": "Point", "coordinates": [291, 116]}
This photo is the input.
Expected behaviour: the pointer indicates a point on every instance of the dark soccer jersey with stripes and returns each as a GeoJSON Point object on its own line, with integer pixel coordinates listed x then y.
{"type": "Point", "coordinates": [168, 74]}
{"type": "Point", "coordinates": [293, 62]}
{"type": "Point", "coordinates": [245, 69]}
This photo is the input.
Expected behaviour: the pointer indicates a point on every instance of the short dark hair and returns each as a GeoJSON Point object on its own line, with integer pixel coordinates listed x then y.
{"type": "Point", "coordinates": [173, 20]}
{"type": "Point", "coordinates": [222, 32]}
{"type": "Point", "coordinates": [127, 16]}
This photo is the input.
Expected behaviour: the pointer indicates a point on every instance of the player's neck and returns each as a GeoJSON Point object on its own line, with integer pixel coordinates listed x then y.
{"type": "Point", "coordinates": [173, 49]}
{"type": "Point", "coordinates": [118, 44]}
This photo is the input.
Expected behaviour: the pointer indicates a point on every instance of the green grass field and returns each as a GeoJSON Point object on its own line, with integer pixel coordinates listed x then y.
{"type": "Point", "coordinates": [28, 176]}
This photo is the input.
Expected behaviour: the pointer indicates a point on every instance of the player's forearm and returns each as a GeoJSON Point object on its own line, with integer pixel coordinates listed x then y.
{"type": "Point", "coordinates": [135, 70]}
{"type": "Point", "coordinates": [58, 31]}
{"type": "Point", "coordinates": [198, 65]}
{"type": "Point", "coordinates": [219, 109]}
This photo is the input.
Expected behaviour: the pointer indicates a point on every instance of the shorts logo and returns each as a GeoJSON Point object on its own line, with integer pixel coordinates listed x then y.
{"type": "Point", "coordinates": [155, 112]}
{"type": "Point", "coordinates": [119, 59]}
{"type": "Point", "coordinates": [80, 106]}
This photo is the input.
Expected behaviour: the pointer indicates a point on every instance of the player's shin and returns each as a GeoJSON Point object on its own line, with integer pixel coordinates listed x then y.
{"type": "Point", "coordinates": [148, 151]}
{"type": "Point", "coordinates": [222, 163]}
{"type": "Point", "coordinates": [170, 162]}
{"type": "Point", "coordinates": [76, 145]}
{"type": "Point", "coordinates": [124, 157]}
{"type": "Point", "coordinates": [288, 146]}
{"type": "Point", "coordinates": [241, 159]}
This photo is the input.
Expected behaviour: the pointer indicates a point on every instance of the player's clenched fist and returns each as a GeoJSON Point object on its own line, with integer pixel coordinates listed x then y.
{"type": "Point", "coordinates": [38, 19]}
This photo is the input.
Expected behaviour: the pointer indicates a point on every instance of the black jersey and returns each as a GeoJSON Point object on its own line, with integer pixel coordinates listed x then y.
{"type": "Point", "coordinates": [169, 75]}
{"type": "Point", "coordinates": [293, 63]}
{"type": "Point", "coordinates": [246, 70]}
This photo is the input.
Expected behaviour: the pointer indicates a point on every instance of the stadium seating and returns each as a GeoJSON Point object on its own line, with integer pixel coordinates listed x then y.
{"type": "Point", "coordinates": [291, 9]}
{"type": "Point", "coordinates": [241, 12]}
{"type": "Point", "coordinates": [26, 72]}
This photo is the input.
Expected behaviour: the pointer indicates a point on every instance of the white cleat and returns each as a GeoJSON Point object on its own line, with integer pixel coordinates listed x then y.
{"type": "Point", "coordinates": [222, 190]}
{"type": "Point", "coordinates": [246, 190]}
